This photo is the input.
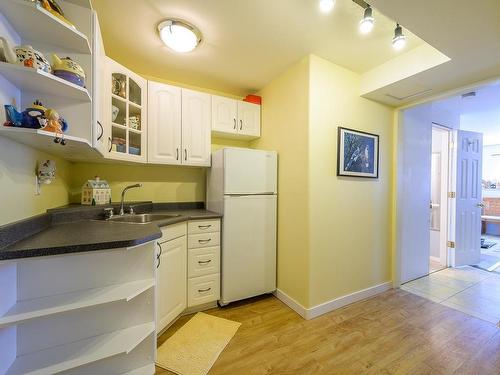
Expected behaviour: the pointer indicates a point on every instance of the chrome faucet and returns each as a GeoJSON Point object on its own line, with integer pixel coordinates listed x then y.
{"type": "Point", "coordinates": [122, 212]}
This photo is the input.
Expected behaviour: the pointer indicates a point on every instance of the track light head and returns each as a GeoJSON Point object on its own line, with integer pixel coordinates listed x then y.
{"type": "Point", "coordinates": [326, 6]}
{"type": "Point", "coordinates": [399, 40]}
{"type": "Point", "coordinates": [367, 23]}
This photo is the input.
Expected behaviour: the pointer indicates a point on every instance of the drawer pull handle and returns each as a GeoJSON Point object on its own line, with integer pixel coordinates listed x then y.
{"type": "Point", "coordinates": [204, 290]}
{"type": "Point", "coordinates": [204, 226]}
{"type": "Point", "coordinates": [204, 261]}
{"type": "Point", "coordinates": [205, 241]}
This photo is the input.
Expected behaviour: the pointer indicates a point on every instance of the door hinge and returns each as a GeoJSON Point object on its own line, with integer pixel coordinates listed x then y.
{"type": "Point", "coordinates": [450, 244]}
{"type": "Point", "coordinates": [452, 194]}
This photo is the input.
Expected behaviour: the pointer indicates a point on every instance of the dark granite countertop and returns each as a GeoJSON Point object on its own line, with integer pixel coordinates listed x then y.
{"type": "Point", "coordinates": [76, 228]}
{"type": "Point", "coordinates": [80, 236]}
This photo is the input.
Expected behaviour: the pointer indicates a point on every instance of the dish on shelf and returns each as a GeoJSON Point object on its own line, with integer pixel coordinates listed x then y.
{"type": "Point", "coordinates": [69, 70]}
{"type": "Point", "coordinates": [24, 55]}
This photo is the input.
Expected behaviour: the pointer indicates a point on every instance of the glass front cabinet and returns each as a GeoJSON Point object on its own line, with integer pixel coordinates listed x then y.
{"type": "Point", "coordinates": [126, 106]}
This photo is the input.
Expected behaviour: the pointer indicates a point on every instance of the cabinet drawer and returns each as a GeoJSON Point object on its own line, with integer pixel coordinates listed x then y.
{"type": "Point", "coordinates": [203, 240]}
{"type": "Point", "coordinates": [203, 289]}
{"type": "Point", "coordinates": [204, 226]}
{"type": "Point", "coordinates": [203, 261]}
{"type": "Point", "coordinates": [173, 231]}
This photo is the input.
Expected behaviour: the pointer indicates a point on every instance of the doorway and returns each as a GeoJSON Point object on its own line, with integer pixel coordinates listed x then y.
{"type": "Point", "coordinates": [440, 151]}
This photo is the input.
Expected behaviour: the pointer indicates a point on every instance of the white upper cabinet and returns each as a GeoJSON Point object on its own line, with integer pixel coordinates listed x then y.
{"type": "Point", "coordinates": [196, 125]}
{"type": "Point", "coordinates": [164, 124]}
{"type": "Point", "coordinates": [249, 119]}
{"type": "Point", "coordinates": [224, 115]}
{"type": "Point", "coordinates": [178, 126]}
{"type": "Point", "coordinates": [125, 101]}
{"type": "Point", "coordinates": [235, 119]}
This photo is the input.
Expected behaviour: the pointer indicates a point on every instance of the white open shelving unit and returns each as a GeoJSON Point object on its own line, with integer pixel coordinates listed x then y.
{"type": "Point", "coordinates": [32, 24]}
{"type": "Point", "coordinates": [84, 313]}
{"type": "Point", "coordinates": [87, 313]}
{"type": "Point", "coordinates": [83, 352]}
{"type": "Point", "coordinates": [49, 305]}
{"type": "Point", "coordinates": [75, 149]}
{"type": "Point", "coordinates": [38, 81]}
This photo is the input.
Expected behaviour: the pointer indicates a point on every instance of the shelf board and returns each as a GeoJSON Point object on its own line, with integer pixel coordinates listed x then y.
{"type": "Point", "coordinates": [145, 370]}
{"type": "Point", "coordinates": [119, 126]}
{"type": "Point", "coordinates": [120, 98]}
{"type": "Point", "coordinates": [39, 307]}
{"type": "Point", "coordinates": [135, 105]}
{"type": "Point", "coordinates": [34, 23]}
{"type": "Point", "coordinates": [66, 357]}
{"type": "Point", "coordinates": [38, 81]}
{"type": "Point", "coordinates": [75, 149]}
{"type": "Point", "coordinates": [132, 130]}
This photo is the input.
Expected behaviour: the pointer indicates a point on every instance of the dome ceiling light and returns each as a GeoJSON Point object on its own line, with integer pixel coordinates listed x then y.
{"type": "Point", "coordinates": [179, 35]}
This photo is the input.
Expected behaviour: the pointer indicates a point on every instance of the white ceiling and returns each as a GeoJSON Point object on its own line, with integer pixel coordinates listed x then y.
{"type": "Point", "coordinates": [468, 32]}
{"type": "Point", "coordinates": [246, 43]}
{"type": "Point", "coordinates": [479, 113]}
{"type": "Point", "coordinates": [482, 113]}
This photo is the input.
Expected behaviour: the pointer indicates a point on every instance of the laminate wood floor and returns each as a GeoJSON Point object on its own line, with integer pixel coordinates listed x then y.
{"type": "Point", "coordinates": [393, 333]}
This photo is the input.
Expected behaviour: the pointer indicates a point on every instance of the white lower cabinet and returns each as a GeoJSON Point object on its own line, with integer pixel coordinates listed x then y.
{"type": "Point", "coordinates": [171, 275]}
{"type": "Point", "coordinates": [188, 269]}
{"type": "Point", "coordinates": [203, 289]}
{"type": "Point", "coordinates": [203, 262]}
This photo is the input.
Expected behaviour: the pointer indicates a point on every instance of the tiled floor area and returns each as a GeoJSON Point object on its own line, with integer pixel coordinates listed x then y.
{"type": "Point", "coordinates": [467, 289]}
{"type": "Point", "coordinates": [435, 266]}
{"type": "Point", "coordinates": [491, 257]}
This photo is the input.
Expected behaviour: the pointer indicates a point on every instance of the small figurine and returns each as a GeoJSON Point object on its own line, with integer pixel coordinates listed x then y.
{"type": "Point", "coordinates": [54, 123]}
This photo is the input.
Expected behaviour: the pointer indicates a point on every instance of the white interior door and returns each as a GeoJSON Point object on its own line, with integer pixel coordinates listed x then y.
{"type": "Point", "coordinates": [469, 152]}
{"type": "Point", "coordinates": [414, 193]}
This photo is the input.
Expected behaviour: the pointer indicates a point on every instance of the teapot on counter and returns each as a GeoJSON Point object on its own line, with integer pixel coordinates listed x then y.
{"type": "Point", "coordinates": [24, 55]}
{"type": "Point", "coordinates": [69, 70]}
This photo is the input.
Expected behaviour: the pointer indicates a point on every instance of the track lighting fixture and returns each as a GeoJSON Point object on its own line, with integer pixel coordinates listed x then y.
{"type": "Point", "coordinates": [399, 40]}
{"type": "Point", "coordinates": [326, 6]}
{"type": "Point", "coordinates": [367, 23]}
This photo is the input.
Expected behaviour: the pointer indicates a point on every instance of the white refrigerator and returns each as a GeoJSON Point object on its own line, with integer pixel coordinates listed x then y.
{"type": "Point", "coordinates": [242, 186]}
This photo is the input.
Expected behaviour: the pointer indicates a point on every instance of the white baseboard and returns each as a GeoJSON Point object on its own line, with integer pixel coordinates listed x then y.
{"type": "Point", "coordinates": [291, 303]}
{"type": "Point", "coordinates": [314, 312]}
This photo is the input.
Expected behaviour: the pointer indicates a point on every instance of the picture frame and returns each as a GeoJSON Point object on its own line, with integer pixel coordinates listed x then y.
{"type": "Point", "coordinates": [357, 153]}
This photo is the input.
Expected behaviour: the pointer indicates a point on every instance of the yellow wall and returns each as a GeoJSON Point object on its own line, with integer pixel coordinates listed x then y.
{"type": "Point", "coordinates": [160, 183]}
{"type": "Point", "coordinates": [284, 129]}
{"type": "Point", "coordinates": [350, 218]}
{"type": "Point", "coordinates": [17, 182]}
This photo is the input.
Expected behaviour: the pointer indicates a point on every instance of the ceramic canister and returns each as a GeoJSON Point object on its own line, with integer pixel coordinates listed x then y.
{"type": "Point", "coordinates": [30, 57]}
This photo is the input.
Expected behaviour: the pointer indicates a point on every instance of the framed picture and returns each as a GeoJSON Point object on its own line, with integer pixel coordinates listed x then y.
{"type": "Point", "coordinates": [357, 153]}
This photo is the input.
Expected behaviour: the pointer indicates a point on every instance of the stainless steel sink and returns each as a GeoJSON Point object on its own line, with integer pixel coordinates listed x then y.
{"type": "Point", "coordinates": [142, 218]}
